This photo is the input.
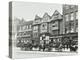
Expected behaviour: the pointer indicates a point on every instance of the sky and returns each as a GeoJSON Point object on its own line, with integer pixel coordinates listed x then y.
{"type": "Point", "coordinates": [28, 10]}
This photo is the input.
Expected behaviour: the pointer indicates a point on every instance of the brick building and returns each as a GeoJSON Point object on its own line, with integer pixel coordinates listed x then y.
{"type": "Point", "coordinates": [70, 17]}
{"type": "Point", "coordinates": [70, 24]}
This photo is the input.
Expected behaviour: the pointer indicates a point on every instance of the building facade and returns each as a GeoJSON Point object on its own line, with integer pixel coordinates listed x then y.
{"type": "Point", "coordinates": [36, 30]}
{"type": "Point", "coordinates": [70, 24]}
{"type": "Point", "coordinates": [44, 29]}
{"type": "Point", "coordinates": [70, 17]}
{"type": "Point", "coordinates": [56, 31]}
{"type": "Point", "coordinates": [24, 34]}
{"type": "Point", "coordinates": [48, 28]}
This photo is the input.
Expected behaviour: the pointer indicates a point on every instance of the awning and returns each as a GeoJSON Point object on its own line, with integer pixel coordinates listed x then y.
{"type": "Point", "coordinates": [70, 35]}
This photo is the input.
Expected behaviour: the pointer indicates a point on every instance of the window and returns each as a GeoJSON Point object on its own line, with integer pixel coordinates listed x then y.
{"type": "Point", "coordinates": [76, 15]}
{"type": "Point", "coordinates": [27, 26]}
{"type": "Point", "coordinates": [67, 30]}
{"type": "Point", "coordinates": [53, 26]}
{"type": "Point", "coordinates": [72, 29]}
{"type": "Point", "coordinates": [47, 41]}
{"type": "Point", "coordinates": [35, 34]}
{"type": "Point", "coordinates": [30, 26]}
{"type": "Point", "coordinates": [24, 33]}
{"type": "Point", "coordinates": [67, 17]}
{"type": "Point", "coordinates": [17, 34]}
{"type": "Point", "coordinates": [72, 6]}
{"type": "Point", "coordinates": [55, 32]}
{"type": "Point", "coordinates": [72, 16]}
{"type": "Point", "coordinates": [35, 28]}
{"type": "Point", "coordinates": [37, 20]}
{"type": "Point", "coordinates": [24, 27]}
{"type": "Point", "coordinates": [76, 27]}
{"type": "Point", "coordinates": [20, 28]}
{"type": "Point", "coordinates": [67, 7]}
{"type": "Point", "coordinates": [44, 26]}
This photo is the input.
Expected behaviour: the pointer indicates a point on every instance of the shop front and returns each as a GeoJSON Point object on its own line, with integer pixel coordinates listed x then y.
{"type": "Point", "coordinates": [70, 42]}
{"type": "Point", "coordinates": [35, 43]}
{"type": "Point", "coordinates": [56, 43]}
{"type": "Point", "coordinates": [44, 42]}
{"type": "Point", "coordinates": [24, 43]}
{"type": "Point", "coordinates": [65, 42]}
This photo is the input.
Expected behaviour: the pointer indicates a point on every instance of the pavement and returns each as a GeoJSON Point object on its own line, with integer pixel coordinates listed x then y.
{"type": "Point", "coordinates": [37, 54]}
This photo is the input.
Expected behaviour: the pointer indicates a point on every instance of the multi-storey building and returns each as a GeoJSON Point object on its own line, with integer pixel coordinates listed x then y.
{"type": "Point", "coordinates": [56, 29]}
{"type": "Point", "coordinates": [15, 23]}
{"type": "Point", "coordinates": [36, 30]}
{"type": "Point", "coordinates": [24, 34]}
{"type": "Point", "coordinates": [70, 23]}
{"type": "Point", "coordinates": [70, 17]}
{"type": "Point", "coordinates": [47, 28]}
{"type": "Point", "coordinates": [44, 29]}
{"type": "Point", "coordinates": [56, 25]}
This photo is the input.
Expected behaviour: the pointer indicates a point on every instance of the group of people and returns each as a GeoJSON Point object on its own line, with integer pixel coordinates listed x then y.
{"type": "Point", "coordinates": [45, 47]}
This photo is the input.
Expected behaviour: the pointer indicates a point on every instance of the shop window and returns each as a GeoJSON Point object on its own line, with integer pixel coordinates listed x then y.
{"type": "Point", "coordinates": [41, 42]}
{"type": "Point", "coordinates": [47, 41]}
{"type": "Point", "coordinates": [55, 32]}
{"type": "Point", "coordinates": [66, 30]}
{"type": "Point", "coordinates": [22, 40]}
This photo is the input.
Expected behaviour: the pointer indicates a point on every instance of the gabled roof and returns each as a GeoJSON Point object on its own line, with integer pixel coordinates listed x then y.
{"type": "Point", "coordinates": [46, 15]}
{"type": "Point", "coordinates": [56, 13]}
{"type": "Point", "coordinates": [37, 17]}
